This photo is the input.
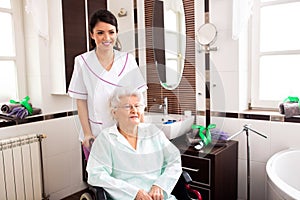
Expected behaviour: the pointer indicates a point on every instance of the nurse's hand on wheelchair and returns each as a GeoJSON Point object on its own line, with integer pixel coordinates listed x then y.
{"type": "Point", "coordinates": [88, 141]}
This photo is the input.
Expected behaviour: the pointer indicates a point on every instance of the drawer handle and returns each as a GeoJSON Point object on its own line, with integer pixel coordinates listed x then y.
{"type": "Point", "coordinates": [190, 169]}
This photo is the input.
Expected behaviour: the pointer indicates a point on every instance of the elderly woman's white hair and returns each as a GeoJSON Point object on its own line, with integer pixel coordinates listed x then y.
{"type": "Point", "coordinates": [124, 92]}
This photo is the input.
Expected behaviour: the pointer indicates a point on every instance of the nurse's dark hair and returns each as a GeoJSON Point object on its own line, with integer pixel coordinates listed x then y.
{"type": "Point", "coordinates": [103, 16]}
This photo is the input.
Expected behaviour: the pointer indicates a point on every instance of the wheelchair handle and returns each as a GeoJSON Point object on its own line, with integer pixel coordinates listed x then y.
{"type": "Point", "coordinates": [91, 141]}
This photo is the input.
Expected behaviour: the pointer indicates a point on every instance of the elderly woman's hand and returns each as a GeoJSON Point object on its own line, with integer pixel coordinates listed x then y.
{"type": "Point", "coordinates": [156, 193]}
{"type": "Point", "coordinates": [142, 195]}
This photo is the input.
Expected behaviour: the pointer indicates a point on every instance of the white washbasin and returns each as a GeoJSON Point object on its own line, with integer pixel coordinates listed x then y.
{"type": "Point", "coordinates": [177, 125]}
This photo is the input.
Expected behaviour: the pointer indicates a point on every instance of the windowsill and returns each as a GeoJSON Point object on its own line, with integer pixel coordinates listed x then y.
{"type": "Point", "coordinates": [6, 121]}
{"type": "Point", "coordinates": [273, 116]}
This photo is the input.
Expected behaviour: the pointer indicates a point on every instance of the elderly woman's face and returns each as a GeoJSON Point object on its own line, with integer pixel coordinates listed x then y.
{"type": "Point", "coordinates": [129, 111]}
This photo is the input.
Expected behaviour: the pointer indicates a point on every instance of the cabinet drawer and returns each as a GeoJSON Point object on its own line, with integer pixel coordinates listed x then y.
{"type": "Point", "coordinates": [198, 168]}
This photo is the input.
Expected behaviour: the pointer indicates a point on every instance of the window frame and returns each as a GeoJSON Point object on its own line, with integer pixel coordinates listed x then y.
{"type": "Point", "coordinates": [16, 11]}
{"type": "Point", "coordinates": [255, 54]}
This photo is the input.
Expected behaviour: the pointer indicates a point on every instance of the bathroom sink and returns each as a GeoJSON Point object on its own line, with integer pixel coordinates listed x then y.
{"type": "Point", "coordinates": [172, 125]}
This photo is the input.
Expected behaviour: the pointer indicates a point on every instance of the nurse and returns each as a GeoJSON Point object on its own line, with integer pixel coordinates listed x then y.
{"type": "Point", "coordinates": [97, 73]}
{"type": "Point", "coordinates": [133, 160]}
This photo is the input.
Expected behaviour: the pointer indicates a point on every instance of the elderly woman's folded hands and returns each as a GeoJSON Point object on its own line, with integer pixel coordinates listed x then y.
{"type": "Point", "coordinates": [156, 193]}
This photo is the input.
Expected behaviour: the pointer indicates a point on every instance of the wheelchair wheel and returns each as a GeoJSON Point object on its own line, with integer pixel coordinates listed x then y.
{"type": "Point", "coordinates": [86, 196]}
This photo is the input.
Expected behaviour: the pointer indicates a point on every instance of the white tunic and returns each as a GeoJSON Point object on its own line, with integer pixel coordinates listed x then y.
{"type": "Point", "coordinates": [90, 81]}
{"type": "Point", "coordinates": [122, 170]}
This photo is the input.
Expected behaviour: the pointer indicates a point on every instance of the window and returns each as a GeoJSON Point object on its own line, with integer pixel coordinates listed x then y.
{"type": "Point", "coordinates": [275, 58]}
{"type": "Point", "coordinates": [11, 58]}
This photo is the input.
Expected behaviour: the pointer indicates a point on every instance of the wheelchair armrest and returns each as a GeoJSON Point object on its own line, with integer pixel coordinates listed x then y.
{"type": "Point", "coordinates": [99, 192]}
{"type": "Point", "coordinates": [186, 177]}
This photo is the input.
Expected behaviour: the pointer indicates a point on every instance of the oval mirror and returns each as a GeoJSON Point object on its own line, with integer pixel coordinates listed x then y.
{"type": "Point", "coordinates": [169, 41]}
{"type": "Point", "coordinates": [207, 34]}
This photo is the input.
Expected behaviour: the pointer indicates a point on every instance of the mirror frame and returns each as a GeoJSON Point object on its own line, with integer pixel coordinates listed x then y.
{"type": "Point", "coordinates": [184, 96]}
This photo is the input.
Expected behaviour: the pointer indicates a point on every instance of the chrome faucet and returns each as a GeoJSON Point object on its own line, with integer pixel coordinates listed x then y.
{"type": "Point", "coordinates": [165, 105]}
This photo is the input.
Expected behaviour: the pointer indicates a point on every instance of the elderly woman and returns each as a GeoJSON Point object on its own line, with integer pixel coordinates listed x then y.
{"type": "Point", "coordinates": [133, 160]}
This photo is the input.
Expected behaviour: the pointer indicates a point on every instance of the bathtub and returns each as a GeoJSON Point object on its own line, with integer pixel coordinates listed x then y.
{"type": "Point", "coordinates": [283, 177]}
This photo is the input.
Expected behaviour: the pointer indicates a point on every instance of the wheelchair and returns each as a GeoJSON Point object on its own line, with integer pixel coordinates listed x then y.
{"type": "Point", "coordinates": [182, 190]}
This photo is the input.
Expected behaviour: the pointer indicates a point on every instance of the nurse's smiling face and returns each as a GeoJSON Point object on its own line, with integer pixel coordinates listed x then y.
{"type": "Point", "coordinates": [105, 35]}
{"type": "Point", "coordinates": [129, 111]}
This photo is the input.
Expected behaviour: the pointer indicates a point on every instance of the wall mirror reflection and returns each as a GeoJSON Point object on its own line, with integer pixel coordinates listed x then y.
{"type": "Point", "coordinates": [169, 41]}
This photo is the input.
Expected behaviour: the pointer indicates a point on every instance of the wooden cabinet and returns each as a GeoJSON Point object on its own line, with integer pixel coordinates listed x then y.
{"type": "Point", "coordinates": [213, 169]}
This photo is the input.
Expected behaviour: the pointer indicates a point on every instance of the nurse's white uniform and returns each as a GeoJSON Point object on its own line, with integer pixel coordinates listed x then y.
{"type": "Point", "coordinates": [90, 81]}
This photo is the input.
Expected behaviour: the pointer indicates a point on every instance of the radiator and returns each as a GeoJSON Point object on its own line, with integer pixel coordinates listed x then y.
{"type": "Point", "coordinates": [21, 168]}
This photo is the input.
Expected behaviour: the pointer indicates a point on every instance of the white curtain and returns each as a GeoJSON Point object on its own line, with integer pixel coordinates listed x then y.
{"type": "Point", "coordinates": [39, 11]}
{"type": "Point", "coordinates": [242, 10]}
